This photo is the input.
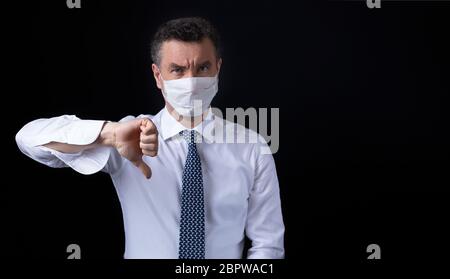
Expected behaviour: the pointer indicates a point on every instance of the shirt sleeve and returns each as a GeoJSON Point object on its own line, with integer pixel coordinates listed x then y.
{"type": "Point", "coordinates": [265, 226]}
{"type": "Point", "coordinates": [71, 130]}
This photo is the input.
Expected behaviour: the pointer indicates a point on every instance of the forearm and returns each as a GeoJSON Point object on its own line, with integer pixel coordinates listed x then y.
{"type": "Point", "coordinates": [105, 138]}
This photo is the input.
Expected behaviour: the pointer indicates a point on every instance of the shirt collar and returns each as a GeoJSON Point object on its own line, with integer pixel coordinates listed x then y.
{"type": "Point", "coordinates": [170, 127]}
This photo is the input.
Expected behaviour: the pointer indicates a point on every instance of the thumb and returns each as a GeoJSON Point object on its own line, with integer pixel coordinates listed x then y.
{"type": "Point", "coordinates": [144, 168]}
{"type": "Point", "coordinates": [144, 123]}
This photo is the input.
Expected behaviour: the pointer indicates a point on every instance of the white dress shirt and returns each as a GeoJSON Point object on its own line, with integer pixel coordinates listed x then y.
{"type": "Point", "coordinates": [240, 185]}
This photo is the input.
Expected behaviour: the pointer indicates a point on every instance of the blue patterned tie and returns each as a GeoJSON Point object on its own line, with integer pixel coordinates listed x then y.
{"type": "Point", "coordinates": [192, 225]}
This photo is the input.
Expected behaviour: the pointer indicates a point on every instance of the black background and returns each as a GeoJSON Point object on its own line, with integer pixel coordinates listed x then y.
{"type": "Point", "coordinates": [363, 97]}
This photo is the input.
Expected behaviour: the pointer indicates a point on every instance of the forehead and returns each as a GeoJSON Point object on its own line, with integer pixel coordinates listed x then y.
{"type": "Point", "coordinates": [178, 52]}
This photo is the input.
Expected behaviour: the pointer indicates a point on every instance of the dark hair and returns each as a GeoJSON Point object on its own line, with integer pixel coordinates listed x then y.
{"type": "Point", "coordinates": [187, 29]}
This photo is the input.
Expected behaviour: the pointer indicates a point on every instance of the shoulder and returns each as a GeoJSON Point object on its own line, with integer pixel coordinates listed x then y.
{"type": "Point", "coordinates": [235, 133]}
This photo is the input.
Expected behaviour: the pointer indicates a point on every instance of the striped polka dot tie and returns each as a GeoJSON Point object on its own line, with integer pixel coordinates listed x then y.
{"type": "Point", "coordinates": [192, 224]}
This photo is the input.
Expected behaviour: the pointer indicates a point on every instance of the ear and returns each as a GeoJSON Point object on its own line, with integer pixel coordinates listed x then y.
{"type": "Point", "coordinates": [157, 75]}
{"type": "Point", "coordinates": [219, 64]}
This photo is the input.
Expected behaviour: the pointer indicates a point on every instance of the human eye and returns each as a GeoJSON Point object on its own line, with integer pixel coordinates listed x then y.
{"type": "Point", "coordinates": [177, 70]}
{"type": "Point", "coordinates": [204, 68]}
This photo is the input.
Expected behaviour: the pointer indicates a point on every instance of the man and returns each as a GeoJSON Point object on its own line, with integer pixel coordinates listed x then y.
{"type": "Point", "coordinates": [198, 196]}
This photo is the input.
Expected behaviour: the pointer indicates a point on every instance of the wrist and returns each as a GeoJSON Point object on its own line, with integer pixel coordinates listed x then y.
{"type": "Point", "coordinates": [108, 134]}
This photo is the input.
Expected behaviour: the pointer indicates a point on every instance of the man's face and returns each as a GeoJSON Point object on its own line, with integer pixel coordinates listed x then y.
{"type": "Point", "coordinates": [180, 59]}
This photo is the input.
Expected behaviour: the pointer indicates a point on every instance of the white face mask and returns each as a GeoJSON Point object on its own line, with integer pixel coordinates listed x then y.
{"type": "Point", "coordinates": [190, 96]}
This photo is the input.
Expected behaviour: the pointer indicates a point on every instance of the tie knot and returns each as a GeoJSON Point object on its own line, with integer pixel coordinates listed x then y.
{"type": "Point", "coordinates": [190, 136]}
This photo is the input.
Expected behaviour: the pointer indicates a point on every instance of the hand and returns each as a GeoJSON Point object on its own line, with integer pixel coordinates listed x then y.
{"type": "Point", "coordinates": [136, 138]}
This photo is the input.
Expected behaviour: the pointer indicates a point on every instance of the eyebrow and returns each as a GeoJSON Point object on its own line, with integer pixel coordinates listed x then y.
{"type": "Point", "coordinates": [176, 66]}
{"type": "Point", "coordinates": [206, 63]}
